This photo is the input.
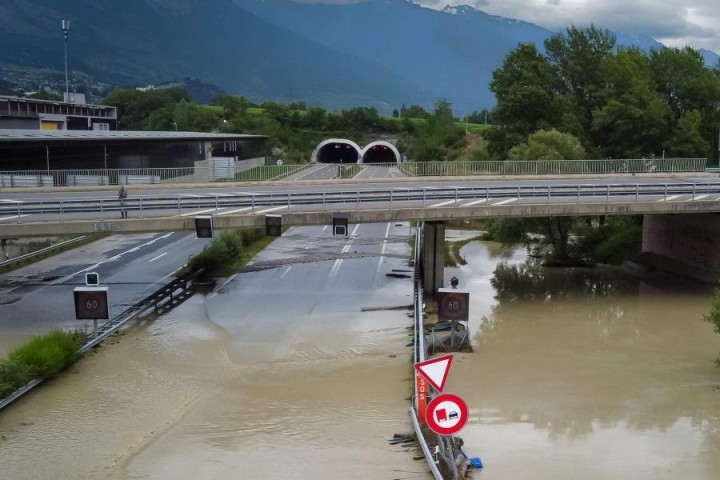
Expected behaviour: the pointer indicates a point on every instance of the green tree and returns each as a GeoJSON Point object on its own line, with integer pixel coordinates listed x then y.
{"type": "Point", "coordinates": [577, 56]}
{"type": "Point", "coordinates": [549, 145]}
{"type": "Point", "coordinates": [687, 139]}
{"type": "Point", "coordinates": [634, 121]}
{"type": "Point", "coordinates": [552, 234]}
{"type": "Point", "coordinates": [526, 88]}
{"type": "Point", "coordinates": [134, 107]}
{"type": "Point", "coordinates": [713, 315]}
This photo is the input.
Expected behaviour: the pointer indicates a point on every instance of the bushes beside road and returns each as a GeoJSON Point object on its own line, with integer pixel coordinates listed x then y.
{"type": "Point", "coordinates": [227, 251]}
{"type": "Point", "coordinates": [41, 358]}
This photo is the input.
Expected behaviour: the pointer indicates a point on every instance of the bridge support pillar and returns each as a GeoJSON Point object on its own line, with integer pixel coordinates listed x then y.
{"type": "Point", "coordinates": [682, 244]}
{"type": "Point", "coordinates": [433, 256]}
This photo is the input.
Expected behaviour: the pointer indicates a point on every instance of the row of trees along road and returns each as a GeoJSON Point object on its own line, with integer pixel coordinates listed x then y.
{"type": "Point", "coordinates": [619, 102]}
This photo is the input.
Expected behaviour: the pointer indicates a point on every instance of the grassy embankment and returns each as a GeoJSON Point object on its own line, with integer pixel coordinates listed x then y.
{"type": "Point", "coordinates": [55, 251]}
{"type": "Point", "coordinates": [41, 358]}
{"type": "Point", "coordinates": [228, 251]}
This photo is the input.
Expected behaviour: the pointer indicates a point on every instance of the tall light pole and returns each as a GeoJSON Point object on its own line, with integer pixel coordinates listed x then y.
{"type": "Point", "coordinates": [66, 33]}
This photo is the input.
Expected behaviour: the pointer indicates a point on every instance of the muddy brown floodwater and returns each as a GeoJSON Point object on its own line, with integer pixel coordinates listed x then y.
{"type": "Point", "coordinates": [575, 374]}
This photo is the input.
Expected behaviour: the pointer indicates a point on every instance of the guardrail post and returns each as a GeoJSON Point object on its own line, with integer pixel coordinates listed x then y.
{"type": "Point", "coordinates": [607, 194]}
{"type": "Point", "coordinates": [578, 194]}
{"type": "Point", "coordinates": [288, 201]}
{"type": "Point", "coordinates": [666, 192]}
{"type": "Point", "coordinates": [391, 199]}
{"type": "Point", "coordinates": [357, 200]}
{"type": "Point", "coordinates": [548, 195]}
{"type": "Point", "coordinates": [323, 202]}
{"type": "Point", "coordinates": [637, 192]}
{"type": "Point", "coordinates": [693, 197]}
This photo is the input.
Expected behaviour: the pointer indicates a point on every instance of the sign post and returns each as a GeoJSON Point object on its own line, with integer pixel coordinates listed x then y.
{"type": "Point", "coordinates": [91, 304]}
{"type": "Point", "coordinates": [447, 414]}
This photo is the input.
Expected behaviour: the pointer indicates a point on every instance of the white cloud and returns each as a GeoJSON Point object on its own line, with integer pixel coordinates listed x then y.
{"type": "Point", "coordinates": [673, 22]}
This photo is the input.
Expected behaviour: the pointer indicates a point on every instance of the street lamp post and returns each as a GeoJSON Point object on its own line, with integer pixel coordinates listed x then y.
{"type": "Point", "coordinates": [175, 125]}
{"type": "Point", "coordinates": [66, 33]}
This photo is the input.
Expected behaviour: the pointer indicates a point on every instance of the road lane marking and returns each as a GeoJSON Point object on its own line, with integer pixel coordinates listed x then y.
{"type": "Point", "coordinates": [285, 272]}
{"type": "Point", "coordinates": [475, 202]}
{"type": "Point", "coordinates": [159, 256]}
{"type": "Point", "coordinates": [14, 216]}
{"type": "Point", "coordinates": [235, 211]}
{"type": "Point", "coordinates": [336, 266]}
{"type": "Point", "coordinates": [442, 204]}
{"type": "Point", "coordinates": [671, 197]}
{"type": "Point", "coordinates": [504, 202]}
{"type": "Point", "coordinates": [10, 201]}
{"type": "Point", "coordinates": [197, 213]}
{"type": "Point", "coordinates": [700, 197]}
{"type": "Point", "coordinates": [271, 209]}
{"type": "Point", "coordinates": [214, 294]}
{"type": "Point", "coordinates": [382, 250]}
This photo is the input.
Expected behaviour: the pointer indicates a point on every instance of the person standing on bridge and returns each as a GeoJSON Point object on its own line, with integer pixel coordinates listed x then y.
{"type": "Point", "coordinates": [122, 195]}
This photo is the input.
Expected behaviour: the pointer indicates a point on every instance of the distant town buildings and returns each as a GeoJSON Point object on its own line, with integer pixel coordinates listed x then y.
{"type": "Point", "coordinates": [25, 113]}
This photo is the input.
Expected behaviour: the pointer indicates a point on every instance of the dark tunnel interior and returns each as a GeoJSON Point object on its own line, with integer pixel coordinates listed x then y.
{"type": "Point", "coordinates": [337, 153]}
{"type": "Point", "coordinates": [380, 154]}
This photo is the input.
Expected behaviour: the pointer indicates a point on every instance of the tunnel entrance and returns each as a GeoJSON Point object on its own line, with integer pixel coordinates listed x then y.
{"type": "Point", "coordinates": [337, 152]}
{"type": "Point", "coordinates": [380, 152]}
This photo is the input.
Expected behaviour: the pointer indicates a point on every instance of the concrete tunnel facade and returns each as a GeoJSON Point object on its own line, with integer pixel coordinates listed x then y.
{"type": "Point", "coordinates": [336, 150]}
{"type": "Point", "coordinates": [345, 151]}
{"type": "Point", "coordinates": [380, 151]}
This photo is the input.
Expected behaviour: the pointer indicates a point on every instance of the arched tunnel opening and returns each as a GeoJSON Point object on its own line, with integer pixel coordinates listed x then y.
{"type": "Point", "coordinates": [337, 152]}
{"type": "Point", "coordinates": [380, 153]}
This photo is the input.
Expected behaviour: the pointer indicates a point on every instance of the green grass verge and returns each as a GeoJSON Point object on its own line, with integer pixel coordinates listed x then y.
{"type": "Point", "coordinates": [228, 251]}
{"type": "Point", "coordinates": [41, 358]}
{"type": "Point", "coordinates": [37, 258]}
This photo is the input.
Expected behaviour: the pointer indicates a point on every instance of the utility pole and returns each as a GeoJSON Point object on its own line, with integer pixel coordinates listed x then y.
{"type": "Point", "coordinates": [66, 33]}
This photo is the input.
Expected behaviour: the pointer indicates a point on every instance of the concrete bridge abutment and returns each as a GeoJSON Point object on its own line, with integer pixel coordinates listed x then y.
{"type": "Point", "coordinates": [683, 244]}
{"type": "Point", "coordinates": [433, 256]}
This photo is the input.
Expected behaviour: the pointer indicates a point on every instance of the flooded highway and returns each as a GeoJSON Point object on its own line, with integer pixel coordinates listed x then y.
{"type": "Point", "coordinates": [575, 373]}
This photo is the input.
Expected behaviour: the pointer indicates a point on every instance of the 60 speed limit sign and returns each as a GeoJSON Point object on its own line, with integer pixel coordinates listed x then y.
{"type": "Point", "coordinates": [453, 304]}
{"type": "Point", "coordinates": [91, 303]}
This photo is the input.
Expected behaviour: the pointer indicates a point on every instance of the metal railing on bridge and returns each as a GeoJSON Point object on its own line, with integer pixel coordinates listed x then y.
{"type": "Point", "coordinates": [191, 175]}
{"type": "Point", "coordinates": [556, 167]}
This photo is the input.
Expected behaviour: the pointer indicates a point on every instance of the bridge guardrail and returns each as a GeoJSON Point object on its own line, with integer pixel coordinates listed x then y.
{"type": "Point", "coordinates": [205, 174]}
{"type": "Point", "coordinates": [391, 198]}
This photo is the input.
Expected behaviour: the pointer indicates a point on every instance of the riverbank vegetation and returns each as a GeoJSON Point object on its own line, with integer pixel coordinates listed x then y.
{"type": "Point", "coordinates": [42, 357]}
{"type": "Point", "coordinates": [713, 315]}
{"type": "Point", "coordinates": [227, 251]}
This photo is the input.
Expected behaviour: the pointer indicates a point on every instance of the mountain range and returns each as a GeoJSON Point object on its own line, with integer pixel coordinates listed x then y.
{"type": "Point", "coordinates": [381, 53]}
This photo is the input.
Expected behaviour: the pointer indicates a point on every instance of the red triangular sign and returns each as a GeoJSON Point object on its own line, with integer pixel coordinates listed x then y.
{"type": "Point", "coordinates": [435, 370]}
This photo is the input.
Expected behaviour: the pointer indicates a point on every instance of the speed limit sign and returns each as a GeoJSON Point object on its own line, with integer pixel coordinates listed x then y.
{"type": "Point", "coordinates": [453, 304]}
{"type": "Point", "coordinates": [91, 303]}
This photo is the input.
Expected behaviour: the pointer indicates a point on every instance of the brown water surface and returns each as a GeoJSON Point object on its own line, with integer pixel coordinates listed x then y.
{"type": "Point", "coordinates": [575, 374]}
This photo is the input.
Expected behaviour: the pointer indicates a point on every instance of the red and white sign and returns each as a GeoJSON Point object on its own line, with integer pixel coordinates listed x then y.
{"type": "Point", "coordinates": [446, 414]}
{"type": "Point", "coordinates": [435, 370]}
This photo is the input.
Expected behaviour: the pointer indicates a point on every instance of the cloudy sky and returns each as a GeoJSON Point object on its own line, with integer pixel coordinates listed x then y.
{"type": "Point", "coordinates": [673, 22]}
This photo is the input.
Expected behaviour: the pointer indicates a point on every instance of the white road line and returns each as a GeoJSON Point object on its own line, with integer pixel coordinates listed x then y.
{"type": "Point", "coordinates": [14, 216]}
{"type": "Point", "coordinates": [116, 257]}
{"type": "Point", "coordinates": [235, 211]}
{"type": "Point", "coordinates": [192, 195]}
{"type": "Point", "coordinates": [382, 250]}
{"type": "Point", "coordinates": [133, 250]}
{"type": "Point", "coordinates": [671, 197]}
{"type": "Point", "coordinates": [700, 197]}
{"type": "Point", "coordinates": [442, 204]}
{"type": "Point", "coordinates": [336, 266]}
{"type": "Point", "coordinates": [159, 256]}
{"type": "Point", "coordinates": [7, 200]}
{"type": "Point", "coordinates": [325, 227]}
{"type": "Point", "coordinates": [271, 209]}
{"type": "Point", "coordinates": [232, 277]}
{"type": "Point", "coordinates": [199, 212]}
{"type": "Point", "coordinates": [475, 202]}
{"type": "Point", "coordinates": [509, 200]}
{"type": "Point", "coordinates": [285, 272]}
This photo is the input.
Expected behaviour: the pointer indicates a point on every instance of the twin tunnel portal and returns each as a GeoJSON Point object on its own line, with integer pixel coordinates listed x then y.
{"type": "Point", "coordinates": [344, 151]}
